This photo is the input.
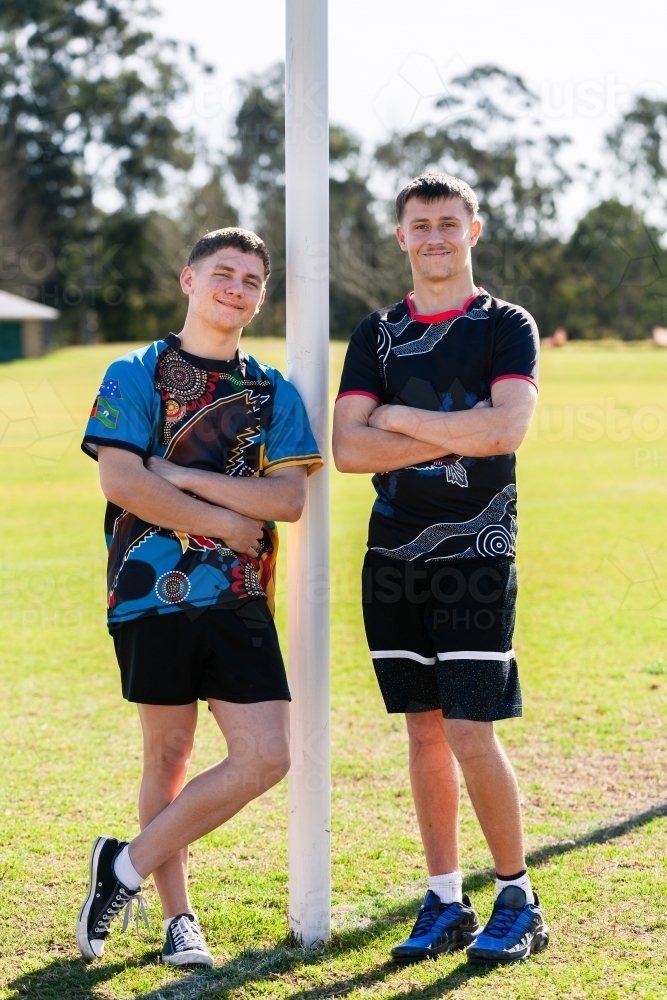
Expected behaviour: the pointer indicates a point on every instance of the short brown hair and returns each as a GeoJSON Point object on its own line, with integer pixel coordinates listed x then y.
{"type": "Point", "coordinates": [232, 236]}
{"type": "Point", "coordinates": [432, 187]}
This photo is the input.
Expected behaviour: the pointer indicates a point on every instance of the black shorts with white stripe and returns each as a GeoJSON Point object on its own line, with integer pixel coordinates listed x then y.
{"type": "Point", "coordinates": [440, 634]}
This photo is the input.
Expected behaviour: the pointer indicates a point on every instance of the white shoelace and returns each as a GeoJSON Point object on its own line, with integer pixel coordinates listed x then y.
{"type": "Point", "coordinates": [136, 906]}
{"type": "Point", "coordinates": [119, 901]}
{"type": "Point", "coordinates": [187, 935]}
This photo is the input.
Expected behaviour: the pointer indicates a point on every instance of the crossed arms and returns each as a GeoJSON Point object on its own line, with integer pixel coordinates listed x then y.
{"type": "Point", "coordinates": [236, 507]}
{"type": "Point", "coordinates": [368, 437]}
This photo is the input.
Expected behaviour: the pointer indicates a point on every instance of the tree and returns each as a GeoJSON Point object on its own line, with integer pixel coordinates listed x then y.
{"type": "Point", "coordinates": [360, 275]}
{"type": "Point", "coordinates": [489, 135]}
{"type": "Point", "coordinates": [85, 93]}
{"type": "Point", "coordinates": [615, 279]}
{"type": "Point", "coordinates": [639, 146]}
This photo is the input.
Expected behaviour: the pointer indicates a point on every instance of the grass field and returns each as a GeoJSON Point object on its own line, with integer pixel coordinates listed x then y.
{"type": "Point", "coordinates": [590, 751]}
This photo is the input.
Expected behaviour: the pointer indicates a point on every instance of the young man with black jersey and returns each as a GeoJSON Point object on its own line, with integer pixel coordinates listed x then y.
{"type": "Point", "coordinates": [437, 393]}
{"type": "Point", "coordinates": [201, 449]}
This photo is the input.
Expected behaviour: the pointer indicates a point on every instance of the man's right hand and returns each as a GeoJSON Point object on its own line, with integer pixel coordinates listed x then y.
{"type": "Point", "coordinates": [240, 533]}
{"type": "Point", "coordinates": [130, 486]}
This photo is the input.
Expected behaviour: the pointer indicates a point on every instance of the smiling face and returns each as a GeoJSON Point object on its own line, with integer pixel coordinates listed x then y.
{"type": "Point", "coordinates": [437, 237]}
{"type": "Point", "coordinates": [226, 289]}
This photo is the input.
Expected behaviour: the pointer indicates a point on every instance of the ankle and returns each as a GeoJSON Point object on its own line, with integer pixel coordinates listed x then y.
{"type": "Point", "coordinates": [449, 887]}
{"type": "Point", "coordinates": [521, 879]}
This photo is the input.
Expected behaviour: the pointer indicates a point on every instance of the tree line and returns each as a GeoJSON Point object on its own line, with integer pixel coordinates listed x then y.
{"type": "Point", "coordinates": [87, 94]}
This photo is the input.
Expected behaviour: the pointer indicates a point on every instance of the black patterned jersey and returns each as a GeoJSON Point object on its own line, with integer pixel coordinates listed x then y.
{"type": "Point", "coordinates": [237, 417]}
{"type": "Point", "coordinates": [454, 507]}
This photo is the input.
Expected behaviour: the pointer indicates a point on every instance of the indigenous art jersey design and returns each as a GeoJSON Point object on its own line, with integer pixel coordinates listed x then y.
{"type": "Point", "coordinates": [240, 418]}
{"type": "Point", "coordinates": [454, 507]}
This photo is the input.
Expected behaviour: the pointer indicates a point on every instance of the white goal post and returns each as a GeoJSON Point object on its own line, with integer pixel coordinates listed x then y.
{"type": "Point", "coordinates": [307, 242]}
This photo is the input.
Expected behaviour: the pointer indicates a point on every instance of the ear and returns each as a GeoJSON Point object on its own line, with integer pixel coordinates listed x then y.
{"type": "Point", "coordinates": [187, 280]}
{"type": "Point", "coordinates": [400, 236]}
{"type": "Point", "coordinates": [475, 231]}
{"type": "Point", "coordinates": [260, 301]}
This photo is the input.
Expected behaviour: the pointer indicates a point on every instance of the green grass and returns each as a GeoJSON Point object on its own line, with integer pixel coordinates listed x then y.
{"type": "Point", "coordinates": [590, 750]}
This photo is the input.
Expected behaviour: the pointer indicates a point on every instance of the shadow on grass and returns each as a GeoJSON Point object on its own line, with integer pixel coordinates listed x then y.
{"type": "Point", "coordinates": [70, 978]}
{"type": "Point", "coordinates": [75, 980]}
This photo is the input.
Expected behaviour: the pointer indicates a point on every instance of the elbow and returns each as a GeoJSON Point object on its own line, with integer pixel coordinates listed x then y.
{"type": "Point", "coordinates": [116, 494]}
{"type": "Point", "coordinates": [506, 443]}
{"type": "Point", "coordinates": [344, 459]}
{"type": "Point", "coordinates": [291, 512]}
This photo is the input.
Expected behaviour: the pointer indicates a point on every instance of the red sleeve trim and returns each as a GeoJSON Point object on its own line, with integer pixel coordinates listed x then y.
{"type": "Point", "coordinates": [526, 378]}
{"type": "Point", "coordinates": [358, 392]}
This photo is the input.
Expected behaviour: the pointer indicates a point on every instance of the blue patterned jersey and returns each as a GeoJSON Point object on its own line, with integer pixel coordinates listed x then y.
{"type": "Point", "coordinates": [455, 507]}
{"type": "Point", "coordinates": [238, 417]}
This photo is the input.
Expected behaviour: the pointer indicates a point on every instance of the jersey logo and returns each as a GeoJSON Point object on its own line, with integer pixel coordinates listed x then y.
{"type": "Point", "coordinates": [493, 538]}
{"type": "Point", "coordinates": [455, 473]}
{"type": "Point", "coordinates": [110, 389]}
{"type": "Point", "coordinates": [433, 335]}
{"type": "Point", "coordinates": [106, 413]}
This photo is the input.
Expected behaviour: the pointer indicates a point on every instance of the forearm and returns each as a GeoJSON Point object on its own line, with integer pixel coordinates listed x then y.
{"type": "Point", "coordinates": [270, 498]}
{"type": "Point", "coordinates": [368, 449]}
{"type": "Point", "coordinates": [478, 433]}
{"type": "Point", "coordinates": [156, 501]}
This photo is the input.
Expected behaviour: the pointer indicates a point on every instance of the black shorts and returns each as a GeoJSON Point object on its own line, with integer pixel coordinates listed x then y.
{"type": "Point", "coordinates": [172, 659]}
{"type": "Point", "coordinates": [440, 635]}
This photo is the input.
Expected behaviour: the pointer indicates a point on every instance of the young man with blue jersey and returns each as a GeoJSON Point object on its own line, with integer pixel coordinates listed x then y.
{"type": "Point", "coordinates": [437, 393]}
{"type": "Point", "coordinates": [201, 449]}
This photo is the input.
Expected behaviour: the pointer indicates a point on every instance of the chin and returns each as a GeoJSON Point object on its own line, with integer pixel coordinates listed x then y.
{"type": "Point", "coordinates": [227, 320]}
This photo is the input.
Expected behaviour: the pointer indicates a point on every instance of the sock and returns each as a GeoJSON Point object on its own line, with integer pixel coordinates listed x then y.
{"type": "Point", "coordinates": [448, 887]}
{"type": "Point", "coordinates": [125, 871]}
{"type": "Point", "coordinates": [521, 879]}
{"type": "Point", "coordinates": [167, 920]}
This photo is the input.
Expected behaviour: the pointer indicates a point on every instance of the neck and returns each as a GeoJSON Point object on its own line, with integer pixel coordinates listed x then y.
{"type": "Point", "coordinates": [434, 296]}
{"type": "Point", "coordinates": [205, 341]}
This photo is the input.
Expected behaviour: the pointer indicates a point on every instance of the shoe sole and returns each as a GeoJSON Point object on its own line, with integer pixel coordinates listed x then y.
{"type": "Point", "coordinates": [464, 940]}
{"type": "Point", "coordinates": [539, 942]}
{"type": "Point", "coordinates": [188, 958]}
{"type": "Point", "coordinates": [82, 940]}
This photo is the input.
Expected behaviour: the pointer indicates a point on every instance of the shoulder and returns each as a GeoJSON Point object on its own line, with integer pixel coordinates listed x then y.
{"type": "Point", "coordinates": [260, 371]}
{"type": "Point", "coordinates": [143, 359]}
{"type": "Point", "coordinates": [508, 314]}
{"type": "Point", "coordinates": [272, 378]}
{"type": "Point", "coordinates": [134, 370]}
{"type": "Point", "coordinates": [369, 326]}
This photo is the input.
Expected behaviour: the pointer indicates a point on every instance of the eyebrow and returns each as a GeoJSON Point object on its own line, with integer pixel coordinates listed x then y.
{"type": "Point", "coordinates": [441, 218]}
{"type": "Point", "coordinates": [246, 274]}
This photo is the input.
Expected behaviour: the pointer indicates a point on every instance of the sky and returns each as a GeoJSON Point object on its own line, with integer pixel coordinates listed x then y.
{"type": "Point", "coordinates": [586, 59]}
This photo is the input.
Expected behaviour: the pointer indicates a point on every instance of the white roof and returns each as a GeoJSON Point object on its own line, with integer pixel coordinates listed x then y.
{"type": "Point", "coordinates": [16, 307]}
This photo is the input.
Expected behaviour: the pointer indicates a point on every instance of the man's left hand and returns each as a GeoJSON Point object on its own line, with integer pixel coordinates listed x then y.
{"type": "Point", "coordinates": [398, 419]}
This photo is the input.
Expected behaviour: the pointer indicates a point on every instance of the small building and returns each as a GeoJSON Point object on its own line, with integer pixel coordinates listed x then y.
{"type": "Point", "coordinates": [25, 327]}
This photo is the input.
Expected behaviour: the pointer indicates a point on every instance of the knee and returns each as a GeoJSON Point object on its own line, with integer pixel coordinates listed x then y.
{"type": "Point", "coordinates": [262, 763]}
{"type": "Point", "coordinates": [469, 739]}
{"type": "Point", "coordinates": [425, 729]}
{"type": "Point", "coordinates": [168, 754]}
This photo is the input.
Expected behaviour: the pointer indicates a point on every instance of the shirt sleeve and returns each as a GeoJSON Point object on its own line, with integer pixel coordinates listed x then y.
{"type": "Point", "coordinates": [361, 369]}
{"type": "Point", "coordinates": [516, 348]}
{"type": "Point", "coordinates": [288, 438]}
{"type": "Point", "coordinates": [123, 414]}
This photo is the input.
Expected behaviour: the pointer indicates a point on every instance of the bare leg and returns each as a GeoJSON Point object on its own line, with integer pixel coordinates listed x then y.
{"type": "Point", "coordinates": [168, 740]}
{"type": "Point", "coordinates": [258, 757]}
{"type": "Point", "coordinates": [434, 777]}
{"type": "Point", "coordinates": [493, 790]}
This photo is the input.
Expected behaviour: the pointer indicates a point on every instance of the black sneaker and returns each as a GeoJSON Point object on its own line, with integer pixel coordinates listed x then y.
{"type": "Point", "coordinates": [439, 929]}
{"type": "Point", "coordinates": [185, 943]}
{"type": "Point", "coordinates": [515, 931]}
{"type": "Point", "coordinates": [105, 900]}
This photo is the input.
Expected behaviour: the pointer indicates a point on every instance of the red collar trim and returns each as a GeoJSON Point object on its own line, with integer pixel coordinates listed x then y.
{"type": "Point", "coordinates": [439, 317]}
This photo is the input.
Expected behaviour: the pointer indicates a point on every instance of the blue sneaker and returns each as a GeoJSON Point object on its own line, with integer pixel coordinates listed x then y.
{"type": "Point", "coordinates": [515, 931]}
{"type": "Point", "coordinates": [439, 929]}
